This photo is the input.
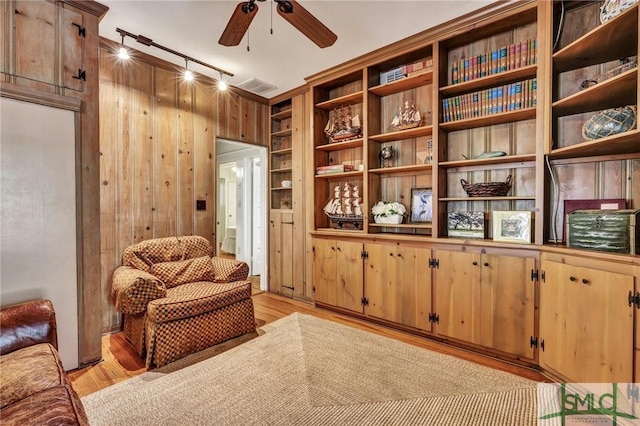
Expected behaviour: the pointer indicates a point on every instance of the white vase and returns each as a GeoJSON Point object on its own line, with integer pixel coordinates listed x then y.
{"type": "Point", "coordinates": [393, 219]}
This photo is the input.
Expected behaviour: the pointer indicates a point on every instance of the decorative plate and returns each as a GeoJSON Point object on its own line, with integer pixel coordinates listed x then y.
{"type": "Point", "coordinates": [612, 8]}
{"type": "Point", "coordinates": [610, 122]}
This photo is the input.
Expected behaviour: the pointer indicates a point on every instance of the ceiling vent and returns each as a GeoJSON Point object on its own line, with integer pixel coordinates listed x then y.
{"type": "Point", "coordinates": [256, 86]}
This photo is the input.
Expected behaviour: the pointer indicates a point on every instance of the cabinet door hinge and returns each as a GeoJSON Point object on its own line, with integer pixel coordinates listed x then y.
{"type": "Point", "coordinates": [535, 275]}
{"type": "Point", "coordinates": [434, 318]}
{"type": "Point", "coordinates": [313, 289]}
{"type": "Point", "coordinates": [434, 263]}
{"type": "Point", "coordinates": [82, 31]}
{"type": "Point", "coordinates": [634, 299]}
{"type": "Point", "coordinates": [364, 301]}
{"type": "Point", "coordinates": [82, 75]}
{"type": "Point", "coordinates": [542, 344]}
{"type": "Point", "coordinates": [364, 254]}
{"type": "Point", "coordinates": [533, 342]}
{"type": "Point", "coordinates": [632, 392]}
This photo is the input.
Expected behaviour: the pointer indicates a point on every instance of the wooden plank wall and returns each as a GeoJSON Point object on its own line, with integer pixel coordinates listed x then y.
{"type": "Point", "coordinates": [157, 155]}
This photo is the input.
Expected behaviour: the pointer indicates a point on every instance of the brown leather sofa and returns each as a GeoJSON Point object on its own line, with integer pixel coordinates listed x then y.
{"type": "Point", "coordinates": [34, 388]}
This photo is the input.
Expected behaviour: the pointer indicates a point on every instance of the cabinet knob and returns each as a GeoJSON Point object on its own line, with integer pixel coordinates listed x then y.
{"type": "Point", "coordinates": [399, 255]}
{"type": "Point", "coordinates": [486, 264]}
{"type": "Point", "coordinates": [475, 263]}
{"type": "Point", "coordinates": [574, 279]}
{"type": "Point", "coordinates": [585, 281]}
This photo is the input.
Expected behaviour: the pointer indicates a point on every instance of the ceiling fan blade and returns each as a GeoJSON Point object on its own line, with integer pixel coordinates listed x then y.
{"type": "Point", "coordinates": [238, 24]}
{"type": "Point", "coordinates": [308, 25]}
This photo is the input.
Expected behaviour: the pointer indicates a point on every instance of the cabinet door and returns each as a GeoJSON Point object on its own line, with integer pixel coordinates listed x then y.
{"type": "Point", "coordinates": [586, 323]}
{"type": "Point", "coordinates": [281, 252]}
{"type": "Point", "coordinates": [398, 284]}
{"type": "Point", "coordinates": [350, 276]}
{"type": "Point", "coordinates": [72, 49]}
{"type": "Point", "coordinates": [507, 304]}
{"type": "Point", "coordinates": [35, 40]}
{"type": "Point", "coordinates": [324, 271]}
{"type": "Point", "coordinates": [456, 294]}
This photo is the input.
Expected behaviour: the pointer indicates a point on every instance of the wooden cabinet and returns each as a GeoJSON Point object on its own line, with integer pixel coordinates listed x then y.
{"type": "Point", "coordinates": [338, 277]}
{"type": "Point", "coordinates": [48, 42]}
{"type": "Point", "coordinates": [506, 79]}
{"type": "Point", "coordinates": [398, 284]}
{"type": "Point", "coordinates": [287, 239]}
{"type": "Point", "coordinates": [586, 319]}
{"type": "Point", "coordinates": [486, 298]}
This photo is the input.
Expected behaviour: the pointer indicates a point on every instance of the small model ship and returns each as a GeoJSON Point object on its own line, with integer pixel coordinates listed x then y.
{"type": "Point", "coordinates": [343, 125]}
{"type": "Point", "coordinates": [408, 117]}
{"type": "Point", "coordinates": [344, 208]}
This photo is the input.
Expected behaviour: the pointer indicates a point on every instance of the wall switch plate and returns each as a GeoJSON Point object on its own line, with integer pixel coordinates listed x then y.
{"type": "Point", "coordinates": [201, 204]}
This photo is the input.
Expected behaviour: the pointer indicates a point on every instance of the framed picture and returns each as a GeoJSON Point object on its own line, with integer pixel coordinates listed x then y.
{"type": "Point", "coordinates": [421, 205]}
{"type": "Point", "coordinates": [513, 226]}
{"type": "Point", "coordinates": [465, 225]}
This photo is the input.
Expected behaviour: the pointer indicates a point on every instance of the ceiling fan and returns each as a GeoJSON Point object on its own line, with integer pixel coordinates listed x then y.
{"type": "Point", "coordinates": [290, 10]}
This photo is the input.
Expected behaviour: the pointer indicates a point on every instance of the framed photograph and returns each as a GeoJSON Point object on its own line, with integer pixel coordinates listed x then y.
{"type": "Point", "coordinates": [512, 226]}
{"type": "Point", "coordinates": [465, 225]}
{"type": "Point", "coordinates": [421, 205]}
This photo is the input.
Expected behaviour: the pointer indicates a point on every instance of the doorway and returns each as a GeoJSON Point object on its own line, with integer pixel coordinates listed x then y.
{"type": "Point", "coordinates": [241, 206]}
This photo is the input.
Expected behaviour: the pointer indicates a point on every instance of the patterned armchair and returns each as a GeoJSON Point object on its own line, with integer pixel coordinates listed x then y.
{"type": "Point", "coordinates": [177, 299]}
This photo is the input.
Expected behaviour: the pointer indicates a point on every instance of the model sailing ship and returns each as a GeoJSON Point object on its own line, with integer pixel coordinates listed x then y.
{"type": "Point", "coordinates": [343, 125]}
{"type": "Point", "coordinates": [344, 208]}
{"type": "Point", "coordinates": [408, 117]}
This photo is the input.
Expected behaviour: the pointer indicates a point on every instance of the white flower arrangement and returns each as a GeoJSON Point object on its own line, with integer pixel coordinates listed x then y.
{"type": "Point", "coordinates": [388, 208]}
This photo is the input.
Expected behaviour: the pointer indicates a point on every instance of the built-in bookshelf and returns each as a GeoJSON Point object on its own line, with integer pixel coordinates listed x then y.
{"type": "Point", "coordinates": [281, 161]}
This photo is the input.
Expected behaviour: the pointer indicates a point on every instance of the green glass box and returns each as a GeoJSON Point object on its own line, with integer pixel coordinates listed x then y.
{"type": "Point", "coordinates": [614, 231]}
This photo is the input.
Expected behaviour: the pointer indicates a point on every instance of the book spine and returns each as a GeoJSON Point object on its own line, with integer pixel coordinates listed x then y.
{"type": "Point", "coordinates": [503, 60]}
{"type": "Point", "coordinates": [454, 72]}
{"type": "Point", "coordinates": [512, 56]}
{"type": "Point", "coordinates": [518, 55]}
{"type": "Point", "coordinates": [494, 61]}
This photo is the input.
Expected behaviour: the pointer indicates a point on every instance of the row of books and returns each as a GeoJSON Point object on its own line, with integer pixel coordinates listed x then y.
{"type": "Point", "coordinates": [506, 58]}
{"type": "Point", "coordinates": [336, 168]}
{"type": "Point", "coordinates": [408, 70]}
{"type": "Point", "coordinates": [510, 97]}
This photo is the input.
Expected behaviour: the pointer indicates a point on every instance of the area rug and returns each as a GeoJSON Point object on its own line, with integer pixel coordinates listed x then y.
{"type": "Point", "coordinates": [303, 370]}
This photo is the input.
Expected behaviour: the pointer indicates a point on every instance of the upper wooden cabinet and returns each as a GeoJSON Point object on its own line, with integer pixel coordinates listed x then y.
{"type": "Point", "coordinates": [48, 45]}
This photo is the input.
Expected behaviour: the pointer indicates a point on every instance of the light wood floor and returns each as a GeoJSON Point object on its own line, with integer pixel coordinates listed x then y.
{"type": "Point", "coordinates": [120, 362]}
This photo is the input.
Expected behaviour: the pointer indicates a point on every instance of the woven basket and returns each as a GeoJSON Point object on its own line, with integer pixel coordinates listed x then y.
{"type": "Point", "coordinates": [487, 189]}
